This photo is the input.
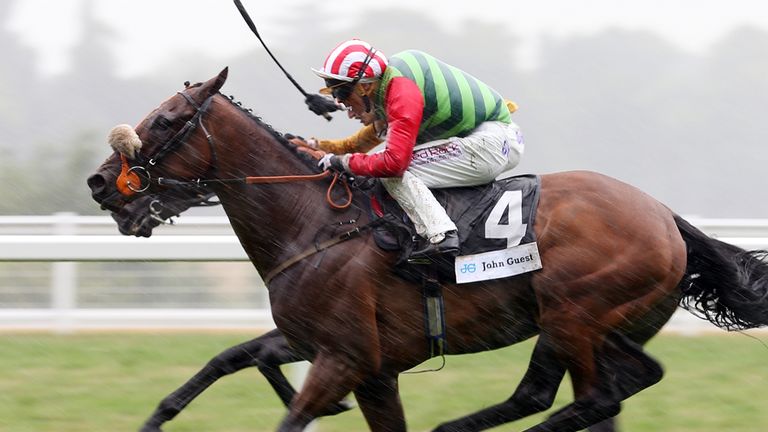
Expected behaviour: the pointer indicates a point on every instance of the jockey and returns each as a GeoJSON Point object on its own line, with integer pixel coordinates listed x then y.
{"type": "Point", "coordinates": [441, 128]}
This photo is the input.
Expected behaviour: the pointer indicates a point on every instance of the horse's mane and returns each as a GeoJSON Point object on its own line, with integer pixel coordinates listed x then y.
{"type": "Point", "coordinates": [280, 137]}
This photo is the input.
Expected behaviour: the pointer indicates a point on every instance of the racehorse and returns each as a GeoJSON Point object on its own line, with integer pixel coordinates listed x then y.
{"type": "Point", "coordinates": [616, 264]}
{"type": "Point", "coordinates": [267, 352]}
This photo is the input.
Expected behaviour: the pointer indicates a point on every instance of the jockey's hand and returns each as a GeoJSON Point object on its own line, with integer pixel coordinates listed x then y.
{"type": "Point", "coordinates": [301, 141]}
{"type": "Point", "coordinates": [320, 104]}
{"type": "Point", "coordinates": [332, 162]}
{"type": "Point", "coordinates": [291, 137]}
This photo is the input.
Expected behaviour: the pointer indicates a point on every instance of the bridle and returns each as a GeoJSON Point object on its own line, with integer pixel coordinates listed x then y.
{"type": "Point", "coordinates": [137, 178]}
{"type": "Point", "coordinates": [140, 171]}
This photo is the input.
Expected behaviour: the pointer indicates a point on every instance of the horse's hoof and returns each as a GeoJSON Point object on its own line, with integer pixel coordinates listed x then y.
{"type": "Point", "coordinates": [150, 428]}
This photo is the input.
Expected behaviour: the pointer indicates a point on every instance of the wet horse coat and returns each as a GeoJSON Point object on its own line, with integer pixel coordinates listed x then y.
{"type": "Point", "coordinates": [616, 264]}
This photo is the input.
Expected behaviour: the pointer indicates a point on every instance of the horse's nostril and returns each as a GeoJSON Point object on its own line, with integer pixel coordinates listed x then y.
{"type": "Point", "coordinates": [96, 182]}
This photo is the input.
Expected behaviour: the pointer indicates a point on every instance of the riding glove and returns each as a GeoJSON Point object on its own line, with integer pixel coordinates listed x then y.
{"type": "Point", "coordinates": [334, 162]}
{"type": "Point", "coordinates": [320, 104]}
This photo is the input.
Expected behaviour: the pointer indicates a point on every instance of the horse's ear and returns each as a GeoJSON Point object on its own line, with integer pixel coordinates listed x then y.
{"type": "Point", "coordinates": [214, 84]}
{"type": "Point", "coordinates": [221, 78]}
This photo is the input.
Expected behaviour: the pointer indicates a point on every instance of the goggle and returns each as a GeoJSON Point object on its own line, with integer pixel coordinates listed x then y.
{"type": "Point", "coordinates": [340, 90]}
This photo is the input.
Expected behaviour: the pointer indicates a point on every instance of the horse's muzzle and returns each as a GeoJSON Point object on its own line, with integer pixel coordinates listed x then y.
{"type": "Point", "coordinates": [98, 185]}
{"type": "Point", "coordinates": [106, 197]}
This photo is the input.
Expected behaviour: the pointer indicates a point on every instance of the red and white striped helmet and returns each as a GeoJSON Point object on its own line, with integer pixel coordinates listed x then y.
{"type": "Point", "coordinates": [346, 60]}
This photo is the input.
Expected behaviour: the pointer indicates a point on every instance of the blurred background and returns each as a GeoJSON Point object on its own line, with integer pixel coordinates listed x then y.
{"type": "Point", "coordinates": [667, 95]}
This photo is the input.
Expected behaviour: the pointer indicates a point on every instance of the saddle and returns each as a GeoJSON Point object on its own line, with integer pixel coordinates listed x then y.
{"type": "Point", "coordinates": [490, 218]}
{"type": "Point", "coordinates": [496, 236]}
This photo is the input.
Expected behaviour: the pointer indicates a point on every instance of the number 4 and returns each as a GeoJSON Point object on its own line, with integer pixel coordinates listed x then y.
{"type": "Point", "coordinates": [514, 229]}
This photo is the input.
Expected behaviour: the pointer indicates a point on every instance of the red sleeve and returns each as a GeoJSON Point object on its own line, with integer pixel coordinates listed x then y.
{"type": "Point", "coordinates": [404, 105]}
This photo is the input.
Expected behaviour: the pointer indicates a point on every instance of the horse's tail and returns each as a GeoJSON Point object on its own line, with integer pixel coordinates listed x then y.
{"type": "Point", "coordinates": [723, 283]}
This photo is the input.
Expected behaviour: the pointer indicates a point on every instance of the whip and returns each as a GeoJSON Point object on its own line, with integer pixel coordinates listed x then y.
{"type": "Point", "coordinates": [309, 98]}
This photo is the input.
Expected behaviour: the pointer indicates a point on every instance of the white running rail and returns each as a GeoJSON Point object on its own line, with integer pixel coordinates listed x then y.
{"type": "Point", "coordinates": [66, 239]}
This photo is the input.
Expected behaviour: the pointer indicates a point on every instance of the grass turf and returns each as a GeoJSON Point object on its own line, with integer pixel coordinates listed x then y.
{"type": "Point", "coordinates": [112, 382]}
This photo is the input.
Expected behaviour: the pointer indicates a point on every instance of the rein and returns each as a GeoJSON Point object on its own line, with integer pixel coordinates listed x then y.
{"type": "Point", "coordinates": [271, 180]}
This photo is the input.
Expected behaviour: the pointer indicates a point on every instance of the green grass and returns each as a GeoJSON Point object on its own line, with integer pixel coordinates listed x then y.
{"type": "Point", "coordinates": [112, 382]}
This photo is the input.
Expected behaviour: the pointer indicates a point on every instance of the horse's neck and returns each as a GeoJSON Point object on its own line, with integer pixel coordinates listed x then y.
{"type": "Point", "coordinates": [272, 221]}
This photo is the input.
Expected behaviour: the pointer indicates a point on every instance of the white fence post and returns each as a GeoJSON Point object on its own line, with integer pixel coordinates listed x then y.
{"type": "Point", "coordinates": [64, 279]}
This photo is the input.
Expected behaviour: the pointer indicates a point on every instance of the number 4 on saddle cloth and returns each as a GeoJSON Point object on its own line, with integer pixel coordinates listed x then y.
{"type": "Point", "coordinates": [495, 223]}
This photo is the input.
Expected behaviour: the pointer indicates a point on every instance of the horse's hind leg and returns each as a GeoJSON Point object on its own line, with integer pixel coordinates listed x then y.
{"type": "Point", "coordinates": [622, 369]}
{"type": "Point", "coordinates": [535, 393]}
{"type": "Point", "coordinates": [267, 352]}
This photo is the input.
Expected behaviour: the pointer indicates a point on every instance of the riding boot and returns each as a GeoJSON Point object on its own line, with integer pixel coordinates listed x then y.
{"type": "Point", "coordinates": [441, 244]}
{"type": "Point", "coordinates": [428, 216]}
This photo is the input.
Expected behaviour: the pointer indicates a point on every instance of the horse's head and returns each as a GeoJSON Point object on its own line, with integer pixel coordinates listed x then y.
{"type": "Point", "coordinates": [152, 151]}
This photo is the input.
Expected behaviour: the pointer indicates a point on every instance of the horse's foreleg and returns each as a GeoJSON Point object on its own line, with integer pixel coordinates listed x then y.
{"type": "Point", "coordinates": [275, 352]}
{"type": "Point", "coordinates": [330, 378]}
{"type": "Point", "coordinates": [535, 393]}
{"type": "Point", "coordinates": [379, 399]}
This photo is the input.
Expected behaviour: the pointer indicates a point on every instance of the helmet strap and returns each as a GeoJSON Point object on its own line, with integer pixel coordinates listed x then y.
{"type": "Point", "coordinates": [366, 62]}
{"type": "Point", "coordinates": [360, 73]}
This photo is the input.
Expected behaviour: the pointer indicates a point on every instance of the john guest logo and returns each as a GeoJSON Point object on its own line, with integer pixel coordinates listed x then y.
{"type": "Point", "coordinates": [497, 264]}
{"type": "Point", "coordinates": [509, 261]}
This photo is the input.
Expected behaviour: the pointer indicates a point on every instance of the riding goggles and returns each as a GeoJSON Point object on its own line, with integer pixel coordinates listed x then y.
{"type": "Point", "coordinates": [340, 90]}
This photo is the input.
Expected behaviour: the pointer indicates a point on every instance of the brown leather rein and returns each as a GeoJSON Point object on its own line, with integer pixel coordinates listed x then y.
{"type": "Point", "coordinates": [273, 180]}
{"type": "Point", "coordinates": [322, 175]}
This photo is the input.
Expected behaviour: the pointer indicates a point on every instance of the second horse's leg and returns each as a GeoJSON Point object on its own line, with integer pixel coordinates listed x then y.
{"type": "Point", "coordinates": [267, 352]}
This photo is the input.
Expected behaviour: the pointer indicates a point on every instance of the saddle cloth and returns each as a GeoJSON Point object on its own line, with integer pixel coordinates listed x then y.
{"type": "Point", "coordinates": [495, 223]}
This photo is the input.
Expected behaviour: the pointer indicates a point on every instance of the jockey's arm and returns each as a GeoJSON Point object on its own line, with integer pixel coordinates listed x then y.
{"type": "Point", "coordinates": [404, 107]}
{"type": "Point", "coordinates": [359, 142]}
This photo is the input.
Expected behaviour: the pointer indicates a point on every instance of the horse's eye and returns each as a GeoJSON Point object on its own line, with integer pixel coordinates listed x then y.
{"type": "Point", "coordinates": [162, 123]}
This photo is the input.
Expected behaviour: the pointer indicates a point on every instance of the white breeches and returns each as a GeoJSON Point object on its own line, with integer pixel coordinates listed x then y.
{"type": "Point", "coordinates": [478, 158]}
{"type": "Point", "coordinates": [428, 216]}
{"type": "Point", "coordinates": [490, 150]}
